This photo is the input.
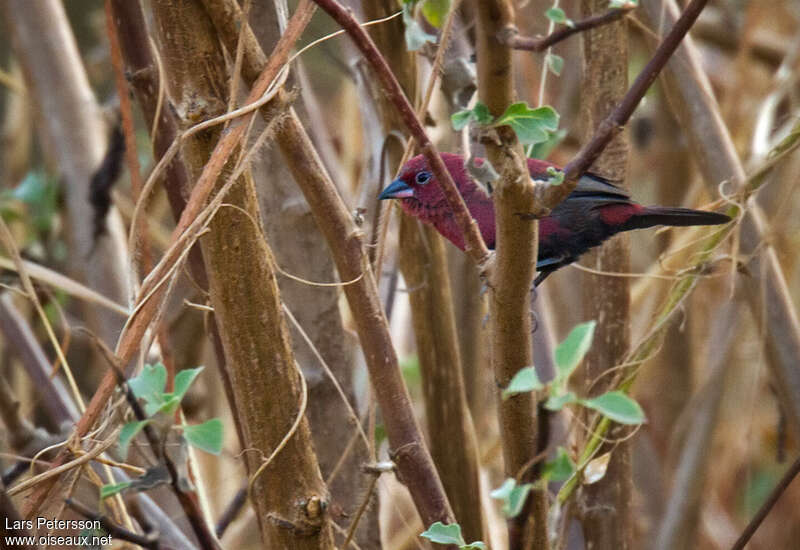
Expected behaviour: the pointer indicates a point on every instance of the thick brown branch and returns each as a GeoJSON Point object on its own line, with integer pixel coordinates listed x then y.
{"type": "Point", "coordinates": [606, 505]}
{"type": "Point", "coordinates": [408, 450]}
{"type": "Point", "coordinates": [513, 273]}
{"type": "Point", "coordinates": [413, 460]}
{"type": "Point", "coordinates": [131, 338]}
{"type": "Point", "coordinates": [394, 93]}
{"type": "Point", "coordinates": [510, 35]}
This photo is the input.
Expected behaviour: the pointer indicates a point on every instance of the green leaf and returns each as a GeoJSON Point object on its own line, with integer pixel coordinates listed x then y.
{"type": "Point", "coordinates": [570, 352]}
{"type": "Point", "coordinates": [512, 495]}
{"type": "Point", "coordinates": [556, 402]}
{"type": "Point", "coordinates": [531, 125]}
{"type": "Point", "coordinates": [460, 119]}
{"type": "Point", "coordinates": [416, 37]}
{"type": "Point", "coordinates": [556, 176]}
{"type": "Point", "coordinates": [435, 11]}
{"type": "Point", "coordinates": [444, 534]}
{"type": "Point", "coordinates": [127, 433]}
{"type": "Point", "coordinates": [113, 488]}
{"type": "Point", "coordinates": [560, 468]}
{"type": "Point", "coordinates": [477, 545]}
{"type": "Point", "coordinates": [557, 16]}
{"type": "Point", "coordinates": [526, 380]}
{"type": "Point", "coordinates": [40, 195]}
{"type": "Point", "coordinates": [184, 379]}
{"type": "Point", "coordinates": [482, 114]}
{"type": "Point", "coordinates": [206, 436]}
{"type": "Point", "coordinates": [543, 150]}
{"type": "Point", "coordinates": [479, 113]}
{"type": "Point", "coordinates": [150, 383]}
{"type": "Point", "coordinates": [617, 4]}
{"type": "Point", "coordinates": [166, 403]}
{"type": "Point", "coordinates": [555, 63]}
{"type": "Point", "coordinates": [617, 406]}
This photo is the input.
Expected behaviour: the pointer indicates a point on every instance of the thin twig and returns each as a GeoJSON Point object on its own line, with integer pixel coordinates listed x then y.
{"type": "Point", "coordinates": [351, 531]}
{"type": "Point", "coordinates": [394, 94]}
{"type": "Point", "coordinates": [150, 540]}
{"type": "Point", "coordinates": [59, 469]}
{"type": "Point", "coordinates": [131, 156]}
{"type": "Point", "coordinates": [231, 511]}
{"type": "Point", "coordinates": [510, 35]}
{"type": "Point", "coordinates": [187, 499]}
{"type": "Point", "coordinates": [615, 121]}
{"type": "Point", "coordinates": [773, 497]}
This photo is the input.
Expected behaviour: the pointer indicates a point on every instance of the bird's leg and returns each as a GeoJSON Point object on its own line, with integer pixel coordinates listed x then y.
{"type": "Point", "coordinates": [486, 269]}
{"type": "Point", "coordinates": [534, 317]}
{"type": "Point", "coordinates": [541, 277]}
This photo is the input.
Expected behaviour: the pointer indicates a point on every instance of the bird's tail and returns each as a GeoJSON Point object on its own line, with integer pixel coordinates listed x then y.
{"type": "Point", "coordinates": [661, 215]}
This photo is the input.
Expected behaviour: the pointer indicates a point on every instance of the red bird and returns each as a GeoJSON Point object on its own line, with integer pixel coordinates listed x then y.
{"type": "Point", "coordinates": [594, 211]}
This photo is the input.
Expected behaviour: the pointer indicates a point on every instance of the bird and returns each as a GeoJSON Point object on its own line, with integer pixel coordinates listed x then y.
{"type": "Point", "coordinates": [594, 211]}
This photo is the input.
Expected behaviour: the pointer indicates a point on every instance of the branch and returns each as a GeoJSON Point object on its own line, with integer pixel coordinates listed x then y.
{"type": "Point", "coordinates": [713, 149]}
{"type": "Point", "coordinates": [335, 221]}
{"type": "Point", "coordinates": [773, 497]}
{"type": "Point", "coordinates": [622, 112]}
{"type": "Point", "coordinates": [605, 82]}
{"type": "Point", "coordinates": [509, 36]}
{"type": "Point", "coordinates": [130, 339]}
{"type": "Point", "coordinates": [678, 526]}
{"type": "Point", "coordinates": [231, 511]}
{"type": "Point", "coordinates": [513, 274]}
{"type": "Point", "coordinates": [22, 341]}
{"type": "Point", "coordinates": [394, 94]}
{"type": "Point", "coordinates": [11, 516]}
{"type": "Point", "coordinates": [137, 54]}
{"type": "Point", "coordinates": [186, 497]}
{"type": "Point", "coordinates": [150, 540]}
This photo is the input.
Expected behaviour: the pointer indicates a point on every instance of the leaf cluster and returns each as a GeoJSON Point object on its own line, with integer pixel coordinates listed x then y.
{"type": "Point", "coordinates": [159, 408]}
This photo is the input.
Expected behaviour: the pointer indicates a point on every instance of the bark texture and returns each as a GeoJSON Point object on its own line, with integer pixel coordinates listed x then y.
{"type": "Point", "coordinates": [289, 496]}
{"type": "Point", "coordinates": [128, 18]}
{"type": "Point", "coordinates": [300, 249]}
{"type": "Point", "coordinates": [512, 276]}
{"type": "Point", "coordinates": [451, 432]}
{"type": "Point", "coordinates": [423, 262]}
{"type": "Point", "coordinates": [605, 506]}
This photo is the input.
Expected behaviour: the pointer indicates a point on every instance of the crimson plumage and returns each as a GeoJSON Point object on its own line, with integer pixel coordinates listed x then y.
{"type": "Point", "coordinates": [594, 211]}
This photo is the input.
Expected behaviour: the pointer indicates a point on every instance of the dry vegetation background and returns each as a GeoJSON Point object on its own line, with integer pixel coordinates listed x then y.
{"type": "Point", "coordinates": [718, 380]}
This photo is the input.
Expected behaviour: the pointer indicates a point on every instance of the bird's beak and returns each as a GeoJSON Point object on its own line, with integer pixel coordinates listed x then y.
{"type": "Point", "coordinates": [398, 189]}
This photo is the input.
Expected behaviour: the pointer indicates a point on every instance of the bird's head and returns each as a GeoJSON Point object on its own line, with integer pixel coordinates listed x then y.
{"type": "Point", "coordinates": [417, 186]}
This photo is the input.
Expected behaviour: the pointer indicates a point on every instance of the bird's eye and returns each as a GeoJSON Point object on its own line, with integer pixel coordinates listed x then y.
{"type": "Point", "coordinates": [423, 178]}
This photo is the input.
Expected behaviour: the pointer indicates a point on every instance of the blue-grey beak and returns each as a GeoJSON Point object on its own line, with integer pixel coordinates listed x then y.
{"type": "Point", "coordinates": [398, 189]}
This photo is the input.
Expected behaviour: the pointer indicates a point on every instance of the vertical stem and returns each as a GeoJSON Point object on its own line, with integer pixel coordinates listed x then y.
{"type": "Point", "coordinates": [511, 281]}
{"type": "Point", "coordinates": [424, 265]}
{"type": "Point", "coordinates": [607, 520]}
{"type": "Point", "coordinates": [289, 496]}
{"type": "Point", "coordinates": [407, 448]}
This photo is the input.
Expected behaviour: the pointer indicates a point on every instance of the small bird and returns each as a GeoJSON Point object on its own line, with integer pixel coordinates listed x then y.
{"type": "Point", "coordinates": [594, 211]}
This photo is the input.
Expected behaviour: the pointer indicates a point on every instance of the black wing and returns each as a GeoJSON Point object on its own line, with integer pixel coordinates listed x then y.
{"type": "Point", "coordinates": [596, 187]}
